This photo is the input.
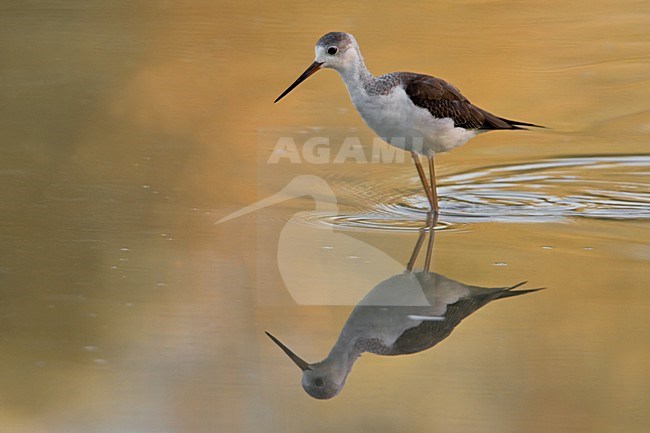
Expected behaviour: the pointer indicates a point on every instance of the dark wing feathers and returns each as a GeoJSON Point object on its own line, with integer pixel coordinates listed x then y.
{"type": "Point", "coordinates": [444, 100]}
{"type": "Point", "coordinates": [430, 332]}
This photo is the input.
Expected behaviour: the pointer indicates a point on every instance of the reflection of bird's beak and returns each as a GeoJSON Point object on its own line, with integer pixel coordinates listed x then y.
{"type": "Point", "coordinates": [295, 358]}
{"type": "Point", "coordinates": [310, 71]}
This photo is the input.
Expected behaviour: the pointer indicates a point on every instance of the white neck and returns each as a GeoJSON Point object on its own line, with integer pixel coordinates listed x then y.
{"type": "Point", "coordinates": [356, 77]}
{"type": "Point", "coordinates": [341, 358]}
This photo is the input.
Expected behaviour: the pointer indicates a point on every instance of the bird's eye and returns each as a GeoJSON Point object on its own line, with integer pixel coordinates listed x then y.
{"type": "Point", "coordinates": [332, 50]}
{"type": "Point", "coordinates": [319, 382]}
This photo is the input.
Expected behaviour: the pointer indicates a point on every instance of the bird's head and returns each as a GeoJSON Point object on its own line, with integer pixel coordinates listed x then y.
{"type": "Point", "coordinates": [335, 50]}
{"type": "Point", "coordinates": [322, 380]}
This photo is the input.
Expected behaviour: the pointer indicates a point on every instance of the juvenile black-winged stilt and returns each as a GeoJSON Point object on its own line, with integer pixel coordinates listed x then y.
{"type": "Point", "coordinates": [415, 112]}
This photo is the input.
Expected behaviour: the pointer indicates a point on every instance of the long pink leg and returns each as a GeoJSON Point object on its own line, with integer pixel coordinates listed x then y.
{"type": "Point", "coordinates": [432, 219]}
{"type": "Point", "coordinates": [416, 250]}
{"type": "Point", "coordinates": [423, 179]}
{"type": "Point", "coordinates": [434, 190]}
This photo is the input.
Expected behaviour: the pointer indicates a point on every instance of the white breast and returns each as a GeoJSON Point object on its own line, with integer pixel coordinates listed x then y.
{"type": "Point", "coordinates": [397, 120]}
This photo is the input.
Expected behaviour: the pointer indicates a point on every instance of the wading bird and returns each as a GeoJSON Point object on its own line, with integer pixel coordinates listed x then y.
{"type": "Point", "coordinates": [415, 112]}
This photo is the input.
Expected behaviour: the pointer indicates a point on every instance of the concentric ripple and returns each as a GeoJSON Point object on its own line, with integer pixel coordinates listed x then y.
{"type": "Point", "coordinates": [382, 218]}
{"type": "Point", "coordinates": [614, 187]}
{"type": "Point", "coordinates": [603, 187]}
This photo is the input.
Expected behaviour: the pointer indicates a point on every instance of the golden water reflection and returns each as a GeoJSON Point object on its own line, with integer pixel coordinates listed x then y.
{"type": "Point", "coordinates": [407, 313]}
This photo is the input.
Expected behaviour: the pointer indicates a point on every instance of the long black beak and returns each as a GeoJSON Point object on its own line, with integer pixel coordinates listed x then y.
{"type": "Point", "coordinates": [295, 358]}
{"type": "Point", "coordinates": [310, 71]}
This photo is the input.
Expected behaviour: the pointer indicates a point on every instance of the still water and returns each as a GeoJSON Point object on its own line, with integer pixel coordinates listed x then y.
{"type": "Point", "coordinates": [129, 304]}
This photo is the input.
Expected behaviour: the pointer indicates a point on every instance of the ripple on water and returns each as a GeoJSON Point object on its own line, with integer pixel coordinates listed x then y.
{"type": "Point", "coordinates": [613, 187]}
{"type": "Point", "coordinates": [381, 218]}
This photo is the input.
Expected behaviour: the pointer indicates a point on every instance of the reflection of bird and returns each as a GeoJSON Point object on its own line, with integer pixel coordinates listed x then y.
{"type": "Point", "coordinates": [320, 266]}
{"type": "Point", "coordinates": [403, 106]}
{"type": "Point", "coordinates": [404, 314]}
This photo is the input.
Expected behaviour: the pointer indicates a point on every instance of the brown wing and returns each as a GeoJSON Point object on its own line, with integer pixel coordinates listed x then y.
{"type": "Point", "coordinates": [429, 333]}
{"type": "Point", "coordinates": [445, 101]}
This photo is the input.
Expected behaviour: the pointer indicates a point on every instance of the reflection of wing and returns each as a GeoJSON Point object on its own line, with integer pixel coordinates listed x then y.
{"type": "Point", "coordinates": [406, 308]}
{"type": "Point", "coordinates": [428, 333]}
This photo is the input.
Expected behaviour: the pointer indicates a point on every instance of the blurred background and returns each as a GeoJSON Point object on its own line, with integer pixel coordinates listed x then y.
{"type": "Point", "coordinates": [129, 129]}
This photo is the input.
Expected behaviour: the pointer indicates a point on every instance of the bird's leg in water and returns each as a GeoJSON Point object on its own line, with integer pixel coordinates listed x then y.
{"type": "Point", "coordinates": [423, 179]}
{"type": "Point", "coordinates": [416, 250]}
{"type": "Point", "coordinates": [434, 191]}
{"type": "Point", "coordinates": [432, 219]}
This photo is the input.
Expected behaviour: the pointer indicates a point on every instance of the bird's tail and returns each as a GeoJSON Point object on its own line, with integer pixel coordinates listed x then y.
{"type": "Point", "coordinates": [492, 122]}
{"type": "Point", "coordinates": [521, 125]}
{"type": "Point", "coordinates": [509, 292]}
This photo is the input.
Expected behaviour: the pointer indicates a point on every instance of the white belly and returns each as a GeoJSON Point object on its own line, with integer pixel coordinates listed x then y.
{"type": "Point", "coordinates": [402, 124]}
